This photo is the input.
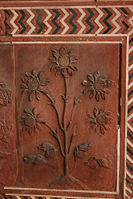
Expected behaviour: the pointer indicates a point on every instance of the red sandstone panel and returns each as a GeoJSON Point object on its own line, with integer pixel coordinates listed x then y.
{"type": "Point", "coordinates": [8, 153]}
{"type": "Point", "coordinates": [93, 124]}
{"type": "Point", "coordinates": [68, 115]}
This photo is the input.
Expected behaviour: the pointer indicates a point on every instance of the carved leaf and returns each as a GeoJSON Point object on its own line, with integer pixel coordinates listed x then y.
{"type": "Point", "coordinates": [80, 150]}
{"type": "Point", "coordinates": [94, 163]}
{"type": "Point", "coordinates": [34, 159]}
{"type": "Point", "coordinates": [48, 149]}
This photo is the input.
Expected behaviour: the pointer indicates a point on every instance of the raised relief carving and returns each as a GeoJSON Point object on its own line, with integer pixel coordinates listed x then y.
{"type": "Point", "coordinates": [5, 95]}
{"type": "Point", "coordinates": [34, 159]}
{"type": "Point", "coordinates": [49, 152]}
{"type": "Point", "coordinates": [48, 149]}
{"type": "Point", "coordinates": [30, 121]}
{"type": "Point", "coordinates": [64, 63]}
{"type": "Point", "coordinates": [100, 120]}
{"type": "Point", "coordinates": [34, 84]}
{"type": "Point", "coordinates": [80, 151]}
{"type": "Point", "coordinates": [97, 85]}
{"type": "Point", "coordinates": [4, 131]}
{"type": "Point", "coordinates": [94, 162]}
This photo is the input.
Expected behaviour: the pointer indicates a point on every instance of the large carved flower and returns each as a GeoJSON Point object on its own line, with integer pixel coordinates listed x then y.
{"type": "Point", "coordinates": [97, 85]}
{"type": "Point", "coordinates": [30, 121]}
{"type": "Point", "coordinates": [99, 120]}
{"type": "Point", "coordinates": [33, 84]}
{"type": "Point", "coordinates": [63, 62]}
{"type": "Point", "coordinates": [5, 95]}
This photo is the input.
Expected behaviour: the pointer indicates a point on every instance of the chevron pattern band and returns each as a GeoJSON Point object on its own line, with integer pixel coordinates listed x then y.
{"type": "Point", "coordinates": [69, 21]}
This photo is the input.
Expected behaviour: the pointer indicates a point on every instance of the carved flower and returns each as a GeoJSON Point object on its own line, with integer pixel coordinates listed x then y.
{"type": "Point", "coordinates": [80, 150]}
{"type": "Point", "coordinates": [99, 120]}
{"type": "Point", "coordinates": [97, 85]}
{"type": "Point", "coordinates": [94, 162]}
{"type": "Point", "coordinates": [30, 121]}
{"type": "Point", "coordinates": [48, 149]}
{"type": "Point", "coordinates": [33, 84]}
{"type": "Point", "coordinates": [63, 62]}
{"type": "Point", "coordinates": [5, 95]}
{"type": "Point", "coordinates": [4, 131]}
{"type": "Point", "coordinates": [35, 159]}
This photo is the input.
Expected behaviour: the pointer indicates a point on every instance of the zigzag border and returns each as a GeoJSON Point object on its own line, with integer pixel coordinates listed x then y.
{"type": "Point", "coordinates": [56, 21]}
{"type": "Point", "coordinates": [83, 21]}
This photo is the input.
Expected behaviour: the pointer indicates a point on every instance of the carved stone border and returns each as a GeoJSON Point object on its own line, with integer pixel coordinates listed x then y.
{"type": "Point", "coordinates": [113, 29]}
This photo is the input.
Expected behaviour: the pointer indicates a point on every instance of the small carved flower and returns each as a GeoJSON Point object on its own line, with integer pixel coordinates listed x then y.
{"type": "Point", "coordinates": [99, 120]}
{"type": "Point", "coordinates": [5, 95]}
{"type": "Point", "coordinates": [33, 84]}
{"type": "Point", "coordinates": [4, 131]}
{"type": "Point", "coordinates": [63, 62]}
{"type": "Point", "coordinates": [30, 121]}
{"type": "Point", "coordinates": [94, 162]}
{"type": "Point", "coordinates": [97, 85]}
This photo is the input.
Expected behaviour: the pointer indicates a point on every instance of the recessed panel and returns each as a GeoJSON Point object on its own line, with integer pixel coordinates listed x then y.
{"type": "Point", "coordinates": [68, 113]}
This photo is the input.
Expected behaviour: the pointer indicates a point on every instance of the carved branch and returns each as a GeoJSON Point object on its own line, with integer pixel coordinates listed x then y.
{"type": "Point", "coordinates": [76, 101]}
{"type": "Point", "coordinates": [65, 97]}
{"type": "Point", "coordinates": [55, 108]}
{"type": "Point", "coordinates": [71, 141]}
{"type": "Point", "coordinates": [55, 134]}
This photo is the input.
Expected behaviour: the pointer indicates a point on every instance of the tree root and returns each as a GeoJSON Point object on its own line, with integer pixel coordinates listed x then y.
{"type": "Point", "coordinates": [68, 182]}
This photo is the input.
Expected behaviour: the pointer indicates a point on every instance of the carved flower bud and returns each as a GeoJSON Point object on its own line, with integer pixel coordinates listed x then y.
{"type": "Point", "coordinates": [84, 83]}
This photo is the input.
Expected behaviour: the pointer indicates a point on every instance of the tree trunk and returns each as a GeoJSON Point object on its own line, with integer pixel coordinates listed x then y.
{"type": "Point", "coordinates": [66, 172]}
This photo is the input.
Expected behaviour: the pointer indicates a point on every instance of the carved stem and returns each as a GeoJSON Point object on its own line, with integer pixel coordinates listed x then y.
{"type": "Point", "coordinates": [70, 145]}
{"type": "Point", "coordinates": [56, 136]}
{"type": "Point", "coordinates": [72, 112]}
{"type": "Point", "coordinates": [66, 154]}
{"type": "Point", "coordinates": [55, 108]}
{"type": "Point", "coordinates": [65, 101]}
{"type": "Point", "coordinates": [76, 101]}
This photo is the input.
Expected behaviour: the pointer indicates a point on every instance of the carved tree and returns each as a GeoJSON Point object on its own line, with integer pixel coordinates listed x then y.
{"type": "Point", "coordinates": [97, 86]}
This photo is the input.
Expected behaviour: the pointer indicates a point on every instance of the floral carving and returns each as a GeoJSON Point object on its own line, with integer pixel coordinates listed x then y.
{"type": "Point", "coordinates": [4, 131]}
{"type": "Point", "coordinates": [80, 150]}
{"type": "Point", "coordinates": [34, 85]}
{"type": "Point", "coordinates": [37, 159]}
{"type": "Point", "coordinates": [30, 121]}
{"type": "Point", "coordinates": [48, 149]}
{"type": "Point", "coordinates": [99, 120]}
{"type": "Point", "coordinates": [5, 95]}
{"type": "Point", "coordinates": [34, 159]}
{"type": "Point", "coordinates": [97, 85]}
{"type": "Point", "coordinates": [63, 62]}
{"type": "Point", "coordinates": [62, 131]}
{"type": "Point", "coordinates": [94, 163]}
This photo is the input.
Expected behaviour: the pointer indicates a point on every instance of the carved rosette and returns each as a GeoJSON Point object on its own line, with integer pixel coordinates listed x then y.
{"type": "Point", "coordinates": [63, 62]}
{"type": "Point", "coordinates": [97, 85]}
{"type": "Point", "coordinates": [99, 120]}
{"type": "Point", "coordinates": [34, 84]}
{"type": "Point", "coordinates": [30, 121]}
